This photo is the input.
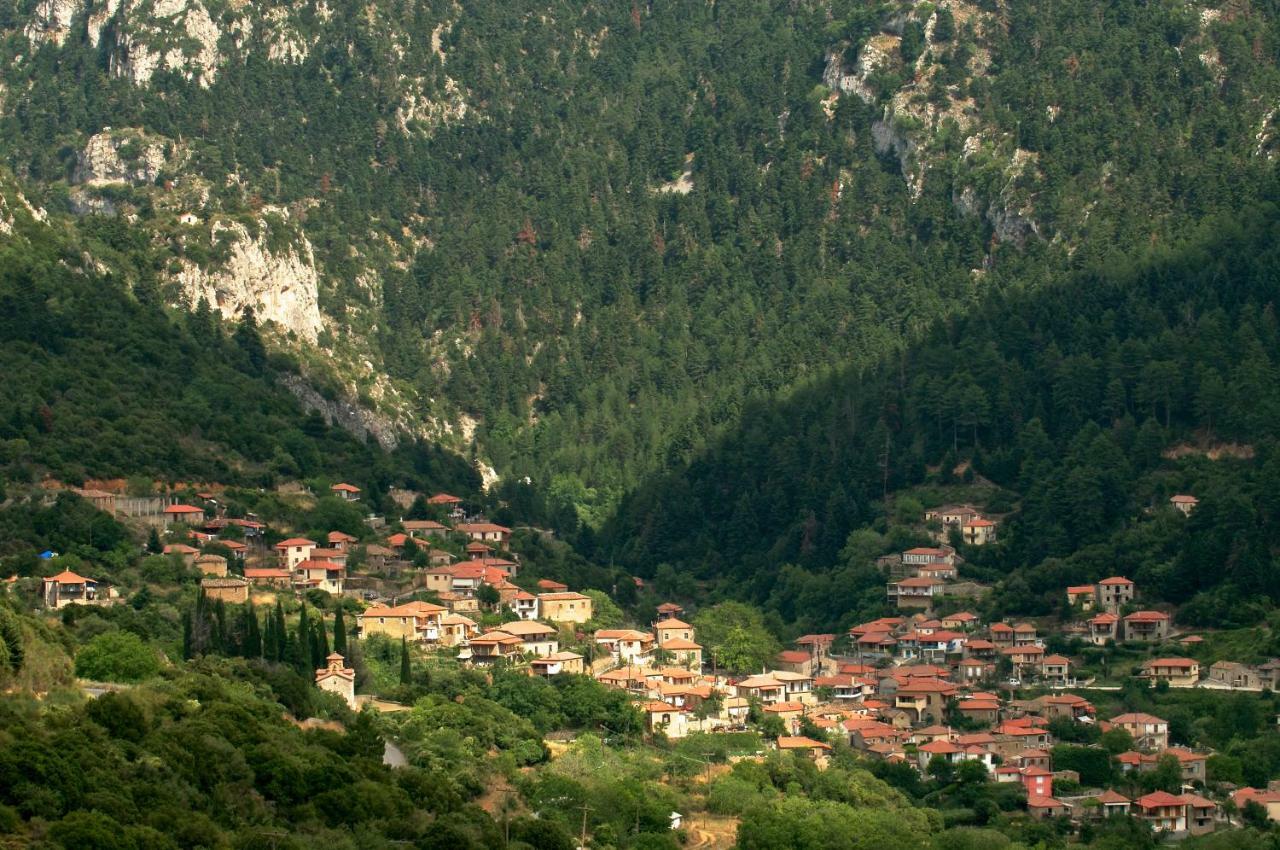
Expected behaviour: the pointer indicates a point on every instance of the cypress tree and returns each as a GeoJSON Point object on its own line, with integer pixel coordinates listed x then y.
{"type": "Point", "coordinates": [406, 673]}
{"type": "Point", "coordinates": [322, 644]}
{"type": "Point", "coordinates": [280, 634]}
{"type": "Point", "coordinates": [154, 546]}
{"type": "Point", "coordinates": [187, 651]}
{"type": "Point", "coordinates": [269, 637]}
{"type": "Point", "coordinates": [221, 638]}
{"type": "Point", "coordinates": [304, 649]}
{"type": "Point", "coordinates": [252, 635]}
{"type": "Point", "coordinates": [339, 633]}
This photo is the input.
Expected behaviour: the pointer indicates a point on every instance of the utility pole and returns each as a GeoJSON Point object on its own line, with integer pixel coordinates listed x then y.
{"type": "Point", "coordinates": [582, 843]}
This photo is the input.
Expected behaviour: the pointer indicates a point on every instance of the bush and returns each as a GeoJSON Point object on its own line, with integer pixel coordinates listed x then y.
{"type": "Point", "coordinates": [116, 657]}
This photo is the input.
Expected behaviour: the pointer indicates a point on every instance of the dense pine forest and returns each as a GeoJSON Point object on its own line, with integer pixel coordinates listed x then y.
{"type": "Point", "coordinates": [1091, 401]}
{"type": "Point", "coordinates": [494, 191]}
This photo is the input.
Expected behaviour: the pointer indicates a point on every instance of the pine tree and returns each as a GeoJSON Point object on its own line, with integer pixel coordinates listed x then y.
{"type": "Point", "coordinates": [249, 341]}
{"type": "Point", "coordinates": [406, 673]}
{"type": "Point", "coordinates": [339, 633]}
{"type": "Point", "coordinates": [154, 546]}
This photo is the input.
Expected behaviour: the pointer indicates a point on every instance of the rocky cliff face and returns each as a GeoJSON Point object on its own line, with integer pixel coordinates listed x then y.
{"type": "Point", "coordinates": [280, 286]}
{"type": "Point", "coordinates": [128, 156]}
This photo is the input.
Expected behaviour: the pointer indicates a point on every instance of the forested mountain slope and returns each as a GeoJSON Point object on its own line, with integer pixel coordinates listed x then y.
{"type": "Point", "coordinates": [591, 232]}
{"type": "Point", "coordinates": [1087, 403]}
{"type": "Point", "coordinates": [102, 382]}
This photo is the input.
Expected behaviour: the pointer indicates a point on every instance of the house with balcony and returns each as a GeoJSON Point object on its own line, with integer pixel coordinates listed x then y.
{"type": "Point", "coordinates": [414, 621]}
{"type": "Point", "coordinates": [537, 639]}
{"type": "Point", "coordinates": [323, 575]}
{"type": "Point", "coordinates": [557, 663]}
{"type": "Point", "coordinates": [1148, 731]}
{"type": "Point", "coordinates": [1165, 812]}
{"type": "Point", "coordinates": [916, 592]}
{"type": "Point", "coordinates": [491, 648]}
{"type": "Point", "coordinates": [1104, 627]}
{"type": "Point", "coordinates": [978, 532]}
{"type": "Point", "coordinates": [1146, 626]}
{"type": "Point", "coordinates": [1178, 672]}
{"type": "Point", "coordinates": [1183, 503]}
{"type": "Point", "coordinates": [1055, 670]}
{"type": "Point", "coordinates": [68, 588]}
{"type": "Point", "coordinates": [628, 646]}
{"type": "Point", "coordinates": [764, 687]}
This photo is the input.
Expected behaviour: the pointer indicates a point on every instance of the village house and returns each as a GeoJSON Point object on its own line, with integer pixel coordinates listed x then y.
{"type": "Point", "coordinates": [183, 515]}
{"type": "Point", "coordinates": [229, 589]}
{"type": "Point", "coordinates": [1115, 592]}
{"type": "Point", "coordinates": [1024, 634]}
{"type": "Point", "coordinates": [493, 647]}
{"type": "Point", "coordinates": [456, 630]}
{"type": "Point", "coordinates": [922, 555]}
{"type": "Point", "coordinates": [961, 621]}
{"type": "Point", "coordinates": [485, 532]}
{"type": "Point", "coordinates": [1268, 799]}
{"type": "Point", "coordinates": [277, 577]}
{"type": "Point", "coordinates": [1148, 731]}
{"type": "Point", "coordinates": [1269, 674]}
{"type": "Point", "coordinates": [1002, 635]}
{"type": "Point", "coordinates": [1112, 803]}
{"type": "Point", "coordinates": [211, 565]}
{"type": "Point", "coordinates": [684, 652]}
{"type": "Point", "coordinates": [924, 699]}
{"type": "Point", "coordinates": [337, 678]}
{"type": "Point", "coordinates": [323, 575]}
{"type": "Point", "coordinates": [671, 629]}
{"type": "Point", "coordinates": [764, 687]}
{"type": "Point", "coordinates": [181, 550]}
{"type": "Point", "coordinates": [294, 551]}
{"type": "Point", "coordinates": [628, 646]}
{"type": "Point", "coordinates": [238, 550]}
{"type": "Point", "coordinates": [1146, 626]}
{"type": "Point", "coordinates": [68, 588]}
{"type": "Point", "coordinates": [1164, 811]}
{"type": "Point", "coordinates": [795, 661]}
{"type": "Point", "coordinates": [1232, 674]}
{"type": "Point", "coordinates": [1178, 672]}
{"type": "Point", "coordinates": [916, 592]}
{"type": "Point", "coordinates": [424, 528]}
{"type": "Point", "coordinates": [666, 718]}
{"type": "Point", "coordinates": [1055, 670]}
{"type": "Point", "coordinates": [341, 541]}
{"type": "Point", "coordinates": [818, 647]}
{"type": "Point", "coordinates": [557, 663]}
{"type": "Point", "coordinates": [1183, 503]}
{"type": "Point", "coordinates": [801, 745]}
{"type": "Point", "coordinates": [524, 605]}
{"type": "Point", "coordinates": [565, 607]}
{"type": "Point", "coordinates": [1103, 628]}
{"type": "Point", "coordinates": [1064, 707]}
{"type": "Point", "coordinates": [346, 492]}
{"type": "Point", "coordinates": [1046, 807]}
{"type": "Point", "coordinates": [416, 621]}
{"type": "Point", "coordinates": [459, 603]}
{"type": "Point", "coordinates": [1081, 596]}
{"type": "Point", "coordinates": [978, 532]}
{"type": "Point", "coordinates": [972, 670]}
{"type": "Point", "coordinates": [951, 515]}
{"type": "Point", "coordinates": [986, 711]}
{"type": "Point", "coordinates": [536, 638]}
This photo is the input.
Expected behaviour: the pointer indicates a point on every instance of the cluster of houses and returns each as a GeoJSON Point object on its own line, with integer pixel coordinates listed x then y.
{"type": "Point", "coordinates": [968, 521]}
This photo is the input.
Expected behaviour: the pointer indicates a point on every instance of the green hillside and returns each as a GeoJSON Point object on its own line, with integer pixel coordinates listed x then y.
{"type": "Point", "coordinates": [1085, 404]}
{"type": "Point", "coordinates": [491, 191]}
